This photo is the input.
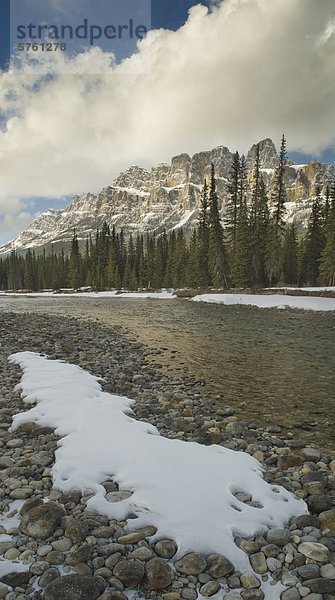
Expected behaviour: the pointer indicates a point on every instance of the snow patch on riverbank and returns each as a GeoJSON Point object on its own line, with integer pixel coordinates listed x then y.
{"type": "Point", "coordinates": [280, 301]}
{"type": "Point", "coordinates": [186, 490]}
{"type": "Point", "coordinates": [163, 295]}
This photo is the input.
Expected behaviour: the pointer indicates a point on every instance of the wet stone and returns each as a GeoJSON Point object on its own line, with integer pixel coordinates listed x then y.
{"type": "Point", "coordinates": [39, 567]}
{"type": "Point", "coordinates": [73, 587]}
{"type": "Point", "coordinates": [165, 548]}
{"type": "Point", "coordinates": [279, 537]}
{"type": "Point", "coordinates": [30, 504]}
{"type": "Point", "coordinates": [143, 554]}
{"type": "Point", "coordinates": [189, 594]}
{"type": "Point", "coordinates": [315, 551]}
{"type": "Point", "coordinates": [158, 574]}
{"type": "Point", "coordinates": [310, 571]}
{"type": "Point", "coordinates": [191, 564]}
{"type": "Point", "coordinates": [314, 488]}
{"type": "Point", "coordinates": [319, 503]}
{"type": "Point", "coordinates": [219, 566]}
{"type": "Point", "coordinates": [248, 546]}
{"type": "Point", "coordinates": [312, 454]}
{"type": "Point", "coordinates": [290, 594]}
{"type": "Point", "coordinates": [55, 558]}
{"type": "Point", "coordinates": [112, 560]}
{"type": "Point", "coordinates": [48, 576]}
{"type": "Point", "coordinates": [320, 585]}
{"type": "Point", "coordinates": [41, 522]}
{"type": "Point", "coordinates": [76, 530]}
{"type": "Point", "coordinates": [327, 571]}
{"type": "Point", "coordinates": [252, 595]}
{"type": "Point", "coordinates": [210, 588]}
{"type": "Point", "coordinates": [271, 550]}
{"type": "Point", "coordinates": [327, 520]}
{"type": "Point", "coordinates": [136, 536]}
{"type": "Point", "coordinates": [118, 495]}
{"type": "Point", "coordinates": [130, 572]}
{"type": "Point", "coordinates": [79, 555]}
{"type": "Point", "coordinates": [249, 581]}
{"type": "Point", "coordinates": [273, 564]}
{"type": "Point", "coordinates": [306, 521]}
{"type": "Point", "coordinates": [258, 563]}
{"type": "Point", "coordinates": [16, 579]}
{"type": "Point", "coordinates": [62, 545]}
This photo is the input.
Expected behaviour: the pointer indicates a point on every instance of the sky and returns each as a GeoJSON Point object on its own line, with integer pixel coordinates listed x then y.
{"type": "Point", "coordinates": [228, 72]}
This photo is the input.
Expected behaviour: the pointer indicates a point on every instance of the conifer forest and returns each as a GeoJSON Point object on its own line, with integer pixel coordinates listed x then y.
{"type": "Point", "coordinates": [253, 249]}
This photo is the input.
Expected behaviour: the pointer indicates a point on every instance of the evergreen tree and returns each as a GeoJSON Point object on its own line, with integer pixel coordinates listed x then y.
{"type": "Point", "coordinates": [234, 199]}
{"type": "Point", "coordinates": [192, 272]}
{"type": "Point", "coordinates": [240, 266]}
{"type": "Point", "coordinates": [290, 256]}
{"type": "Point", "coordinates": [259, 226]}
{"type": "Point", "coordinates": [30, 282]}
{"type": "Point", "coordinates": [180, 259]}
{"type": "Point", "coordinates": [279, 193]}
{"type": "Point", "coordinates": [273, 253]}
{"type": "Point", "coordinates": [327, 259]}
{"type": "Point", "coordinates": [200, 246]}
{"type": "Point", "coordinates": [314, 245]}
{"type": "Point", "coordinates": [158, 266]}
{"type": "Point", "coordinates": [74, 265]}
{"type": "Point", "coordinates": [172, 242]}
{"type": "Point", "coordinates": [217, 256]}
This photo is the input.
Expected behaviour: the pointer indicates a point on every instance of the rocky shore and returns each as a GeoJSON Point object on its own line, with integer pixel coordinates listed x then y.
{"type": "Point", "coordinates": [51, 548]}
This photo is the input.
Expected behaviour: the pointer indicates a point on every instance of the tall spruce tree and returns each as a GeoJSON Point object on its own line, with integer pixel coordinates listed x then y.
{"type": "Point", "coordinates": [314, 245]}
{"type": "Point", "coordinates": [217, 256]}
{"type": "Point", "coordinates": [274, 245]}
{"type": "Point", "coordinates": [234, 201]}
{"type": "Point", "coordinates": [327, 259]}
{"type": "Point", "coordinates": [75, 263]}
{"type": "Point", "coordinates": [290, 256]}
{"type": "Point", "coordinates": [202, 242]}
{"type": "Point", "coordinates": [240, 260]}
{"type": "Point", "coordinates": [259, 226]}
{"type": "Point", "coordinates": [279, 192]}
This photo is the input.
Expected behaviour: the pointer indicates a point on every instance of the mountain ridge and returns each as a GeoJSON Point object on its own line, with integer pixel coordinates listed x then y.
{"type": "Point", "coordinates": [168, 196]}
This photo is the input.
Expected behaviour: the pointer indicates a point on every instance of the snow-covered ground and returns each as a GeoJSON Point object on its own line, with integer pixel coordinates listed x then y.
{"type": "Point", "coordinates": [280, 301]}
{"type": "Point", "coordinates": [306, 289]}
{"type": "Point", "coordinates": [163, 295]}
{"type": "Point", "coordinates": [184, 489]}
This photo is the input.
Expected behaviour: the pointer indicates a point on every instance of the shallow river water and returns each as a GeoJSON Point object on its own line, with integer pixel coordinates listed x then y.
{"type": "Point", "coordinates": [271, 365]}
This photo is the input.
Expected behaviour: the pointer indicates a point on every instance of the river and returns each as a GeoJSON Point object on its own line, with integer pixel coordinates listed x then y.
{"type": "Point", "coordinates": [270, 365]}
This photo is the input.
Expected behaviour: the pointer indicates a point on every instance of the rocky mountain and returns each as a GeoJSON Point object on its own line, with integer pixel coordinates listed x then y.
{"type": "Point", "coordinates": [168, 197]}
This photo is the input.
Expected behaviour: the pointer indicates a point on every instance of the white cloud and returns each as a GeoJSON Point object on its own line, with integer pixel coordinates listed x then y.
{"type": "Point", "coordinates": [247, 70]}
{"type": "Point", "coordinates": [12, 224]}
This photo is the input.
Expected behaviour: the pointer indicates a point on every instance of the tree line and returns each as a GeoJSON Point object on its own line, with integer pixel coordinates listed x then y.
{"type": "Point", "coordinates": [254, 249]}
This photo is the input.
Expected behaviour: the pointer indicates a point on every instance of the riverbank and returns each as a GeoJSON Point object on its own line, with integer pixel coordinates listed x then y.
{"type": "Point", "coordinates": [87, 545]}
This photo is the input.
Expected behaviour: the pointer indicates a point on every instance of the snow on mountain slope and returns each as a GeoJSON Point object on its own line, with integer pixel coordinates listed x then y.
{"type": "Point", "coordinates": [168, 197]}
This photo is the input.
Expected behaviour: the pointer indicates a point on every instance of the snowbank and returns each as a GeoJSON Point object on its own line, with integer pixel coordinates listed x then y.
{"type": "Point", "coordinates": [163, 295]}
{"type": "Point", "coordinates": [184, 489]}
{"type": "Point", "coordinates": [270, 301]}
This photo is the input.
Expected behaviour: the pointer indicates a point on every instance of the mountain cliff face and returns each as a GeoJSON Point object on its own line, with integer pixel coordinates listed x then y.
{"type": "Point", "coordinates": [168, 197]}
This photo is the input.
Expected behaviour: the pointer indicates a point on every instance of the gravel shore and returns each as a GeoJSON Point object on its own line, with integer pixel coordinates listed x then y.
{"type": "Point", "coordinates": [102, 559]}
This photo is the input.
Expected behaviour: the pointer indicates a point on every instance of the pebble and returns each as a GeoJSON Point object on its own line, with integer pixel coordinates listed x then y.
{"type": "Point", "coordinates": [279, 537]}
{"type": "Point", "coordinates": [191, 564]}
{"type": "Point", "coordinates": [315, 551]}
{"type": "Point", "coordinates": [250, 581]}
